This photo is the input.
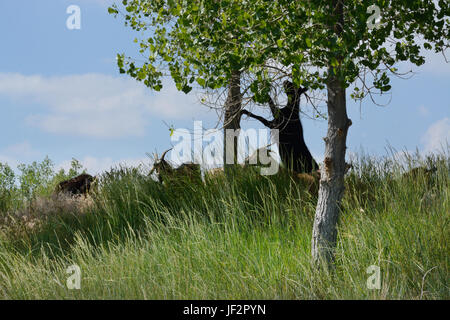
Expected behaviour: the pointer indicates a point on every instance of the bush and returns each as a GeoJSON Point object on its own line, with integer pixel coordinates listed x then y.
{"type": "Point", "coordinates": [7, 186]}
{"type": "Point", "coordinates": [38, 179]}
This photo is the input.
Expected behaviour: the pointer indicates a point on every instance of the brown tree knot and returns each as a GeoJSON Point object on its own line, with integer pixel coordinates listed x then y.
{"type": "Point", "coordinates": [349, 123]}
{"type": "Point", "coordinates": [340, 132]}
{"type": "Point", "coordinates": [328, 166]}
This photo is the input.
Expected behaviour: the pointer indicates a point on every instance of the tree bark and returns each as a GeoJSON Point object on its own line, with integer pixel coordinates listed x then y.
{"type": "Point", "coordinates": [331, 189]}
{"type": "Point", "coordinates": [232, 121]}
{"type": "Point", "coordinates": [332, 176]}
{"type": "Point", "coordinates": [293, 150]}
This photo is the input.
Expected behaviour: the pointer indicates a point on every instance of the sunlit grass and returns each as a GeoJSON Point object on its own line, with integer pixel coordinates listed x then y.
{"type": "Point", "coordinates": [245, 237]}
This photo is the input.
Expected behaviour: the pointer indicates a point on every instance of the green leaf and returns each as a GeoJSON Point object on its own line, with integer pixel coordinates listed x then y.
{"type": "Point", "coordinates": [112, 11]}
{"type": "Point", "coordinates": [308, 42]}
{"type": "Point", "coordinates": [386, 88]}
{"type": "Point", "coordinates": [280, 43]}
{"type": "Point", "coordinates": [334, 62]}
{"type": "Point", "coordinates": [201, 81]}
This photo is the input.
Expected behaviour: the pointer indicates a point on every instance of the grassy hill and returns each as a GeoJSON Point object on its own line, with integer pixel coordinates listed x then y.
{"type": "Point", "coordinates": [242, 237]}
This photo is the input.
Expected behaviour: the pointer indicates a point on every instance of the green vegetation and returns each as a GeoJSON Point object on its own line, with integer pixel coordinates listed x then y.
{"type": "Point", "coordinates": [245, 237]}
{"type": "Point", "coordinates": [35, 180]}
{"type": "Point", "coordinates": [247, 47]}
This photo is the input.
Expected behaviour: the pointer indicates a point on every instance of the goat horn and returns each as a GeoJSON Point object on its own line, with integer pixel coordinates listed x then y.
{"type": "Point", "coordinates": [164, 154]}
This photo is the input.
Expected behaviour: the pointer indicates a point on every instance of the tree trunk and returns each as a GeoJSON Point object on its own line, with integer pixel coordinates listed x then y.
{"type": "Point", "coordinates": [294, 153]}
{"type": "Point", "coordinates": [331, 189]}
{"type": "Point", "coordinates": [232, 120]}
{"type": "Point", "coordinates": [292, 147]}
{"type": "Point", "coordinates": [332, 176]}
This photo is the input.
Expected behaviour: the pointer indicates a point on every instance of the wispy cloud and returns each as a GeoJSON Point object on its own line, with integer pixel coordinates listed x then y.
{"type": "Point", "coordinates": [23, 151]}
{"type": "Point", "coordinates": [13, 163]}
{"type": "Point", "coordinates": [437, 136]}
{"type": "Point", "coordinates": [95, 105]}
{"type": "Point", "coordinates": [423, 111]}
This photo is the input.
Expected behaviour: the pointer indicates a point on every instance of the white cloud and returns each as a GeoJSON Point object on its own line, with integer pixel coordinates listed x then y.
{"type": "Point", "coordinates": [423, 111]}
{"type": "Point", "coordinates": [13, 163]}
{"type": "Point", "coordinates": [96, 105]}
{"type": "Point", "coordinates": [12, 153]}
{"type": "Point", "coordinates": [437, 136]}
{"type": "Point", "coordinates": [22, 149]}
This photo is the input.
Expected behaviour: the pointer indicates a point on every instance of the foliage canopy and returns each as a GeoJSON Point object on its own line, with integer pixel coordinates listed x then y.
{"type": "Point", "coordinates": [203, 41]}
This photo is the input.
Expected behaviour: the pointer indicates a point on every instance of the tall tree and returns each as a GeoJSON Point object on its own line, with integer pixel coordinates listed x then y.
{"type": "Point", "coordinates": [202, 42]}
{"type": "Point", "coordinates": [326, 44]}
{"type": "Point", "coordinates": [209, 44]}
{"type": "Point", "coordinates": [349, 44]}
{"type": "Point", "coordinates": [193, 42]}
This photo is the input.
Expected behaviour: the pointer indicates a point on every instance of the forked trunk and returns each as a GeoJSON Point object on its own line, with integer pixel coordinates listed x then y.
{"type": "Point", "coordinates": [294, 153]}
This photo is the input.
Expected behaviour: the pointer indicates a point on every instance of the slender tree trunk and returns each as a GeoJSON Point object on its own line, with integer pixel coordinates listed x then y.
{"type": "Point", "coordinates": [331, 189]}
{"type": "Point", "coordinates": [332, 176]}
{"type": "Point", "coordinates": [232, 121]}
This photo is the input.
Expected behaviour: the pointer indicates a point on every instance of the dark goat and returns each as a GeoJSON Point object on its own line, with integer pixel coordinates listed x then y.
{"type": "Point", "coordinates": [165, 171]}
{"type": "Point", "coordinates": [76, 186]}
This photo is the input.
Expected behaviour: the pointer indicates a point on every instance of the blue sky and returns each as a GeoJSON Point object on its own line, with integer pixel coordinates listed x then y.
{"type": "Point", "coordinates": [61, 95]}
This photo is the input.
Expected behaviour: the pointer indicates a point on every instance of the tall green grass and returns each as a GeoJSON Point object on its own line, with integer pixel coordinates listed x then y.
{"type": "Point", "coordinates": [238, 237]}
